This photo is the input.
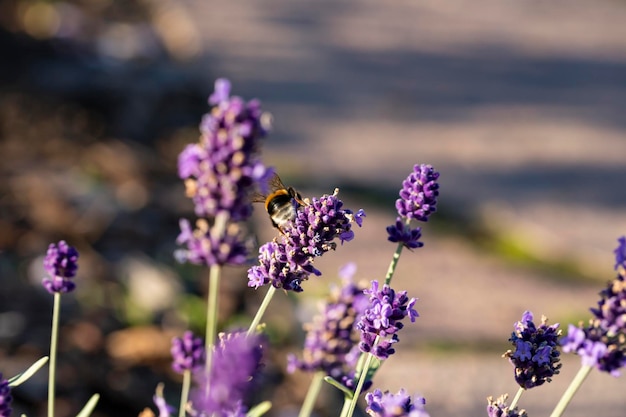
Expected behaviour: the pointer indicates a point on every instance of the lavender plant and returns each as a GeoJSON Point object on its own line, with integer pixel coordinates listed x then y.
{"type": "Point", "coordinates": [601, 343]}
{"type": "Point", "coordinates": [357, 328]}
{"type": "Point", "coordinates": [61, 264]}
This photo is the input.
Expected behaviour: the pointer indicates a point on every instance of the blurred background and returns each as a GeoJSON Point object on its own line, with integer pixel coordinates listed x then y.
{"type": "Point", "coordinates": [518, 104]}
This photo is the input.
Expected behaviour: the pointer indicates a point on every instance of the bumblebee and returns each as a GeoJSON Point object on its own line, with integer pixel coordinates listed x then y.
{"type": "Point", "coordinates": [281, 203]}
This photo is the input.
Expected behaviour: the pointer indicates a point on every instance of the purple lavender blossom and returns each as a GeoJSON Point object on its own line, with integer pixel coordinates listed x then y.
{"type": "Point", "coordinates": [224, 167]}
{"type": "Point", "coordinates": [5, 397]}
{"type": "Point", "coordinates": [536, 356]}
{"type": "Point", "coordinates": [620, 256]}
{"type": "Point", "coordinates": [401, 232]}
{"type": "Point", "coordinates": [165, 410]}
{"type": "Point", "coordinates": [235, 365]}
{"type": "Point", "coordinates": [286, 264]}
{"type": "Point", "coordinates": [418, 196]}
{"type": "Point", "coordinates": [596, 347]}
{"type": "Point", "coordinates": [61, 263]}
{"type": "Point", "coordinates": [498, 408]}
{"type": "Point", "coordinates": [331, 344]}
{"type": "Point", "coordinates": [187, 353]}
{"type": "Point", "coordinates": [207, 246]}
{"type": "Point", "coordinates": [383, 318]}
{"type": "Point", "coordinates": [381, 404]}
{"type": "Point", "coordinates": [611, 310]}
{"type": "Point", "coordinates": [602, 343]}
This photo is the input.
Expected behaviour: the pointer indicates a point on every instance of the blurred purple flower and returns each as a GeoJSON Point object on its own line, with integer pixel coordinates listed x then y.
{"type": "Point", "coordinates": [536, 356]}
{"type": "Point", "coordinates": [187, 353]}
{"type": "Point", "coordinates": [5, 397]}
{"type": "Point", "coordinates": [286, 264]}
{"type": "Point", "coordinates": [165, 410]}
{"type": "Point", "coordinates": [418, 196]}
{"type": "Point", "coordinates": [386, 404]}
{"type": "Point", "coordinates": [611, 311]}
{"type": "Point", "coordinates": [207, 246]}
{"type": "Point", "coordinates": [61, 263]}
{"type": "Point", "coordinates": [331, 343]}
{"type": "Point", "coordinates": [596, 347]}
{"type": "Point", "coordinates": [620, 255]}
{"type": "Point", "coordinates": [498, 408]}
{"type": "Point", "coordinates": [235, 365]}
{"type": "Point", "coordinates": [402, 233]}
{"type": "Point", "coordinates": [602, 343]}
{"type": "Point", "coordinates": [383, 319]}
{"type": "Point", "coordinates": [223, 169]}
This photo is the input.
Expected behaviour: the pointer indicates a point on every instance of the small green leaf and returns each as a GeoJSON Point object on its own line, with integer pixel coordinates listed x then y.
{"type": "Point", "coordinates": [259, 409]}
{"type": "Point", "coordinates": [25, 376]}
{"type": "Point", "coordinates": [88, 408]}
{"type": "Point", "coordinates": [332, 381]}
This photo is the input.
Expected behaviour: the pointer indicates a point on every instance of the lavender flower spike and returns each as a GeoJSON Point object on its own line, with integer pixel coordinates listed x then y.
{"type": "Point", "coordinates": [61, 263]}
{"type": "Point", "coordinates": [285, 264]}
{"type": "Point", "coordinates": [223, 168]}
{"type": "Point", "coordinates": [187, 353]}
{"type": "Point", "coordinates": [236, 363]}
{"type": "Point", "coordinates": [418, 196]}
{"type": "Point", "coordinates": [536, 356]}
{"type": "Point", "coordinates": [5, 398]}
{"type": "Point", "coordinates": [498, 408]}
{"type": "Point", "coordinates": [221, 172]}
{"type": "Point", "coordinates": [383, 318]}
{"type": "Point", "coordinates": [331, 343]}
{"type": "Point", "coordinates": [394, 405]}
{"type": "Point", "coordinates": [602, 343]}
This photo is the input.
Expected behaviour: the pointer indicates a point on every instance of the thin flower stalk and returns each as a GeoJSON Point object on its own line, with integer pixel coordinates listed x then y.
{"type": "Point", "coordinates": [61, 265]}
{"type": "Point", "coordinates": [517, 397]}
{"type": "Point", "coordinates": [211, 314]}
{"type": "Point", "coordinates": [571, 390]}
{"type": "Point", "coordinates": [261, 311]}
{"type": "Point", "coordinates": [311, 396]}
{"type": "Point", "coordinates": [394, 261]}
{"type": "Point", "coordinates": [53, 352]}
{"type": "Point", "coordinates": [351, 405]}
{"type": "Point", "coordinates": [184, 393]}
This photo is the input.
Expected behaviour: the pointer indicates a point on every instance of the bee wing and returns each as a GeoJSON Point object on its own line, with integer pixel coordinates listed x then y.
{"type": "Point", "coordinates": [275, 183]}
{"type": "Point", "coordinates": [257, 198]}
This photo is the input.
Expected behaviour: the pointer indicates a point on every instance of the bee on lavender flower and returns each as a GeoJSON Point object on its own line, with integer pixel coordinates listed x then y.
{"type": "Point", "coordinates": [281, 203]}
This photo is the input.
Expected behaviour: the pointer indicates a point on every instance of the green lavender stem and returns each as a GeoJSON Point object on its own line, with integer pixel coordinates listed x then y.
{"type": "Point", "coordinates": [211, 315]}
{"type": "Point", "coordinates": [184, 394]}
{"type": "Point", "coordinates": [259, 314]}
{"type": "Point", "coordinates": [53, 352]}
{"type": "Point", "coordinates": [518, 395]}
{"type": "Point", "coordinates": [394, 261]}
{"type": "Point", "coordinates": [346, 406]}
{"type": "Point", "coordinates": [218, 230]}
{"type": "Point", "coordinates": [311, 395]}
{"type": "Point", "coordinates": [359, 386]}
{"type": "Point", "coordinates": [571, 390]}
